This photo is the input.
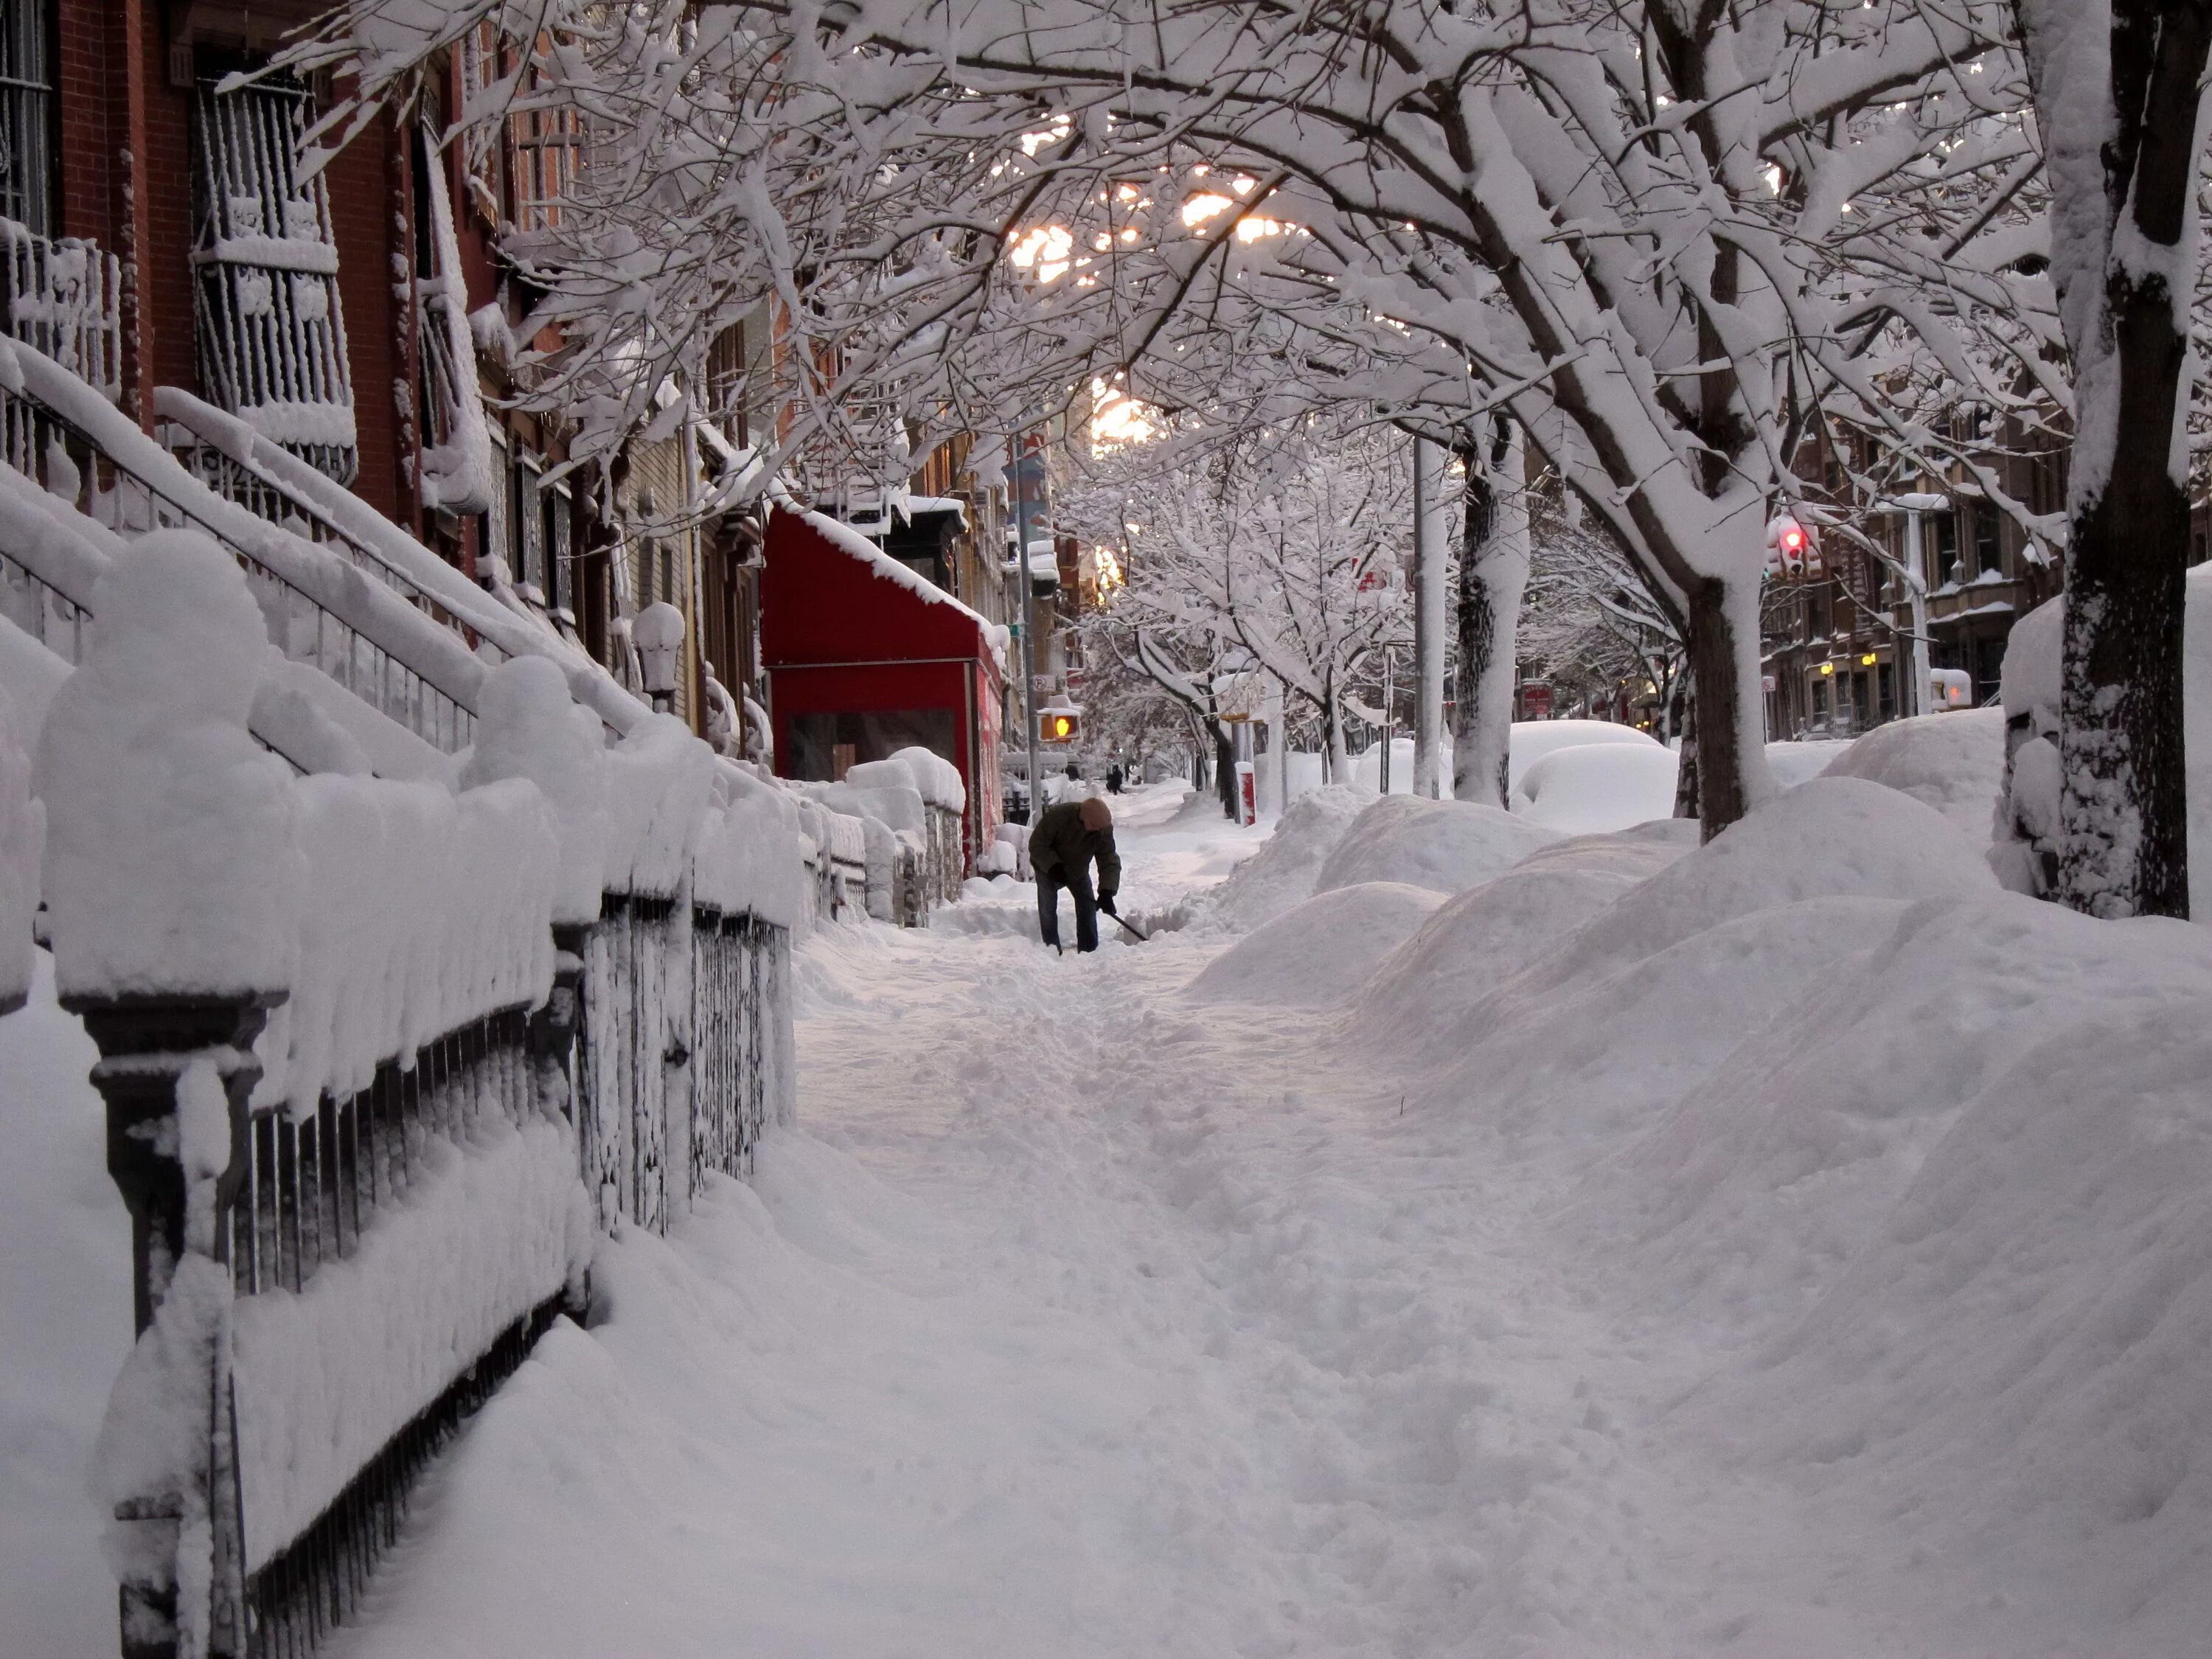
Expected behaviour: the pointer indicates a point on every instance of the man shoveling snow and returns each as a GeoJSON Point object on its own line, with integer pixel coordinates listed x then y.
{"type": "Point", "coordinates": [1064, 842]}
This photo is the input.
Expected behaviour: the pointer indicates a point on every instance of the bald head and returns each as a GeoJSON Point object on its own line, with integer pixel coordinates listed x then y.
{"type": "Point", "coordinates": [1096, 816]}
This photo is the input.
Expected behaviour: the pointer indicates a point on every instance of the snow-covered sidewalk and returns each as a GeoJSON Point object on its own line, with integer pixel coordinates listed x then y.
{"type": "Point", "coordinates": [1083, 1318]}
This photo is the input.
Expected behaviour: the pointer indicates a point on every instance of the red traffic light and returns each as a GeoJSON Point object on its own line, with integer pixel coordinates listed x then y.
{"type": "Point", "coordinates": [1793, 538]}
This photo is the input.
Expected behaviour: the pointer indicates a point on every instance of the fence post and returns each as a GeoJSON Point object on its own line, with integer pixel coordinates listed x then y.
{"type": "Point", "coordinates": [168, 1065]}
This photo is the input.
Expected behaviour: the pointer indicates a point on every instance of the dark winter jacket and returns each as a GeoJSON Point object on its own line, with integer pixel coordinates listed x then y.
{"type": "Point", "coordinates": [1059, 843]}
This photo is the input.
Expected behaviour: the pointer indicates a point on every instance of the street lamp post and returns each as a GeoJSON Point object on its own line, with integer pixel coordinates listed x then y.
{"type": "Point", "coordinates": [1029, 635]}
{"type": "Point", "coordinates": [1915, 594]}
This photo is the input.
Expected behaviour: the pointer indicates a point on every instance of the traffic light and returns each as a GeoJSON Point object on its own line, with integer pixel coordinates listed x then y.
{"type": "Point", "coordinates": [1054, 725]}
{"type": "Point", "coordinates": [1792, 538]}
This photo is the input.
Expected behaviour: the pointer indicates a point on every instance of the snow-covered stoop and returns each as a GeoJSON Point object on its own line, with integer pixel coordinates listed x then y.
{"type": "Point", "coordinates": [414, 969]}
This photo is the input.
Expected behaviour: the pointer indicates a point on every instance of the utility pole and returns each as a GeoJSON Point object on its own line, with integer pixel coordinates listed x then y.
{"type": "Point", "coordinates": [1029, 636]}
{"type": "Point", "coordinates": [1428, 625]}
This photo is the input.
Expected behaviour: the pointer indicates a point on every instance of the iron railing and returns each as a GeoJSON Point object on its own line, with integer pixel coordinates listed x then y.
{"type": "Point", "coordinates": [55, 451]}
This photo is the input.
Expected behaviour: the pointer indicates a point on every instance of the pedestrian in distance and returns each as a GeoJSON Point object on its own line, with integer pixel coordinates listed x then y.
{"type": "Point", "coordinates": [1064, 843]}
{"type": "Point", "coordinates": [1113, 779]}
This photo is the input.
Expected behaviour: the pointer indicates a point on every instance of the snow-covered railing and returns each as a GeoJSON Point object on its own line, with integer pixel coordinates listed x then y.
{"type": "Point", "coordinates": [365, 1045]}
{"type": "Point", "coordinates": [370, 639]}
{"type": "Point", "coordinates": [62, 300]}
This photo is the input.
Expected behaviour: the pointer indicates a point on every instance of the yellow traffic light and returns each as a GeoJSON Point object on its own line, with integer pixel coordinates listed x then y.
{"type": "Point", "coordinates": [1059, 727]}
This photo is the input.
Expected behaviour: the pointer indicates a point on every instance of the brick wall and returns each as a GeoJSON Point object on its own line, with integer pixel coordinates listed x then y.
{"type": "Point", "coordinates": [362, 184]}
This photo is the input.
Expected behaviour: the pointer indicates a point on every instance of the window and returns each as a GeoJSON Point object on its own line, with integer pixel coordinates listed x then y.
{"type": "Point", "coordinates": [546, 148]}
{"type": "Point", "coordinates": [1988, 547]}
{"type": "Point", "coordinates": [271, 340]}
{"type": "Point", "coordinates": [496, 520]}
{"type": "Point", "coordinates": [725, 384]}
{"type": "Point", "coordinates": [1942, 531]}
{"type": "Point", "coordinates": [560, 579]}
{"type": "Point", "coordinates": [27, 116]}
{"type": "Point", "coordinates": [528, 517]}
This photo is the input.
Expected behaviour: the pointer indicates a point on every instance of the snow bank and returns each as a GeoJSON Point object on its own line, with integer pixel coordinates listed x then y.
{"type": "Point", "coordinates": [1315, 953]}
{"type": "Point", "coordinates": [327, 1375]}
{"type": "Point", "coordinates": [145, 766]}
{"type": "Point", "coordinates": [1531, 740]}
{"type": "Point", "coordinates": [1795, 763]}
{"type": "Point", "coordinates": [2008, 1346]}
{"type": "Point", "coordinates": [1951, 762]}
{"type": "Point", "coordinates": [1282, 873]}
{"type": "Point", "coordinates": [1587, 789]}
{"type": "Point", "coordinates": [1832, 837]}
{"type": "Point", "coordinates": [1418, 994]}
{"type": "Point", "coordinates": [1449, 846]}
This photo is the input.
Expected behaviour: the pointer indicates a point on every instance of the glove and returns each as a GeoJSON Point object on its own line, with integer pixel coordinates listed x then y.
{"type": "Point", "coordinates": [1106, 903]}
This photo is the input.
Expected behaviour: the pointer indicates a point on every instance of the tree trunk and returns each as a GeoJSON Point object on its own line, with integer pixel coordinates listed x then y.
{"type": "Point", "coordinates": [1493, 574]}
{"type": "Point", "coordinates": [1727, 716]}
{"type": "Point", "coordinates": [2124, 828]}
{"type": "Point", "coordinates": [1429, 562]}
{"type": "Point", "coordinates": [1681, 718]}
{"type": "Point", "coordinates": [1224, 768]}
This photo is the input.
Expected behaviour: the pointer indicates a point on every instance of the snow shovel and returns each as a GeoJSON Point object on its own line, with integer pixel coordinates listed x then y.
{"type": "Point", "coordinates": [1133, 933]}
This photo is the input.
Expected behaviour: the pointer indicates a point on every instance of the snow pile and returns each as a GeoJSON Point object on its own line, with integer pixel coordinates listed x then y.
{"type": "Point", "coordinates": [659, 781]}
{"type": "Point", "coordinates": [937, 778]}
{"type": "Point", "coordinates": [1282, 873]}
{"type": "Point", "coordinates": [750, 861]}
{"type": "Point", "coordinates": [1798, 762]}
{"type": "Point", "coordinates": [1831, 838]}
{"type": "Point", "coordinates": [1951, 762]}
{"type": "Point", "coordinates": [30, 674]}
{"type": "Point", "coordinates": [64, 1326]}
{"type": "Point", "coordinates": [327, 1375]}
{"type": "Point", "coordinates": [1449, 846]}
{"type": "Point", "coordinates": [1531, 740]}
{"type": "Point", "coordinates": [1418, 994]}
{"type": "Point", "coordinates": [1589, 788]}
{"type": "Point", "coordinates": [528, 727]}
{"type": "Point", "coordinates": [145, 766]}
{"type": "Point", "coordinates": [22, 841]}
{"type": "Point", "coordinates": [422, 913]}
{"type": "Point", "coordinates": [2007, 1345]}
{"type": "Point", "coordinates": [1314, 953]}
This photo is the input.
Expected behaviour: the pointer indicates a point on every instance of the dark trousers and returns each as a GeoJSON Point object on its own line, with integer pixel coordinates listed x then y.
{"type": "Point", "coordinates": [1048, 885]}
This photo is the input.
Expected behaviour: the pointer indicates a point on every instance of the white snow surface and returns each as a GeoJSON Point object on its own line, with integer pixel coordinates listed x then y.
{"type": "Point", "coordinates": [23, 841]}
{"type": "Point", "coordinates": [1793, 762]}
{"type": "Point", "coordinates": [1315, 952]}
{"type": "Point", "coordinates": [1802, 1256]}
{"type": "Point", "coordinates": [1282, 872]}
{"type": "Point", "coordinates": [1790, 1247]}
{"type": "Point", "coordinates": [1588, 788]}
{"type": "Point", "coordinates": [1531, 740]}
{"type": "Point", "coordinates": [1446, 845]}
{"type": "Point", "coordinates": [65, 1328]}
{"type": "Point", "coordinates": [1951, 762]}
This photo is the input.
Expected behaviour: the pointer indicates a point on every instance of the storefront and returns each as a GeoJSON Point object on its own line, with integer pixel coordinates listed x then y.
{"type": "Point", "coordinates": [863, 658]}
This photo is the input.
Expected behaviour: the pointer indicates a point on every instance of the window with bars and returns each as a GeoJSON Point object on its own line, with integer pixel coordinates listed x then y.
{"type": "Point", "coordinates": [528, 517]}
{"type": "Point", "coordinates": [560, 578]}
{"type": "Point", "coordinates": [271, 336]}
{"type": "Point", "coordinates": [27, 115]}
